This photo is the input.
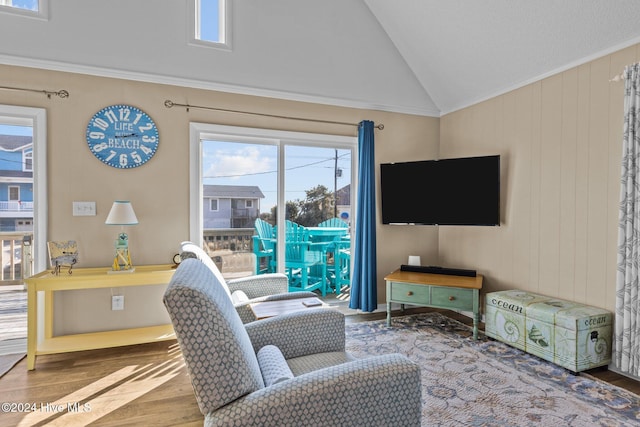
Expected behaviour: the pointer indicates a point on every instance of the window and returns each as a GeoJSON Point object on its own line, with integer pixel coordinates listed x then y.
{"type": "Point", "coordinates": [14, 193]}
{"type": "Point", "coordinates": [32, 122]}
{"type": "Point", "coordinates": [213, 204]}
{"type": "Point", "coordinates": [29, 8]}
{"type": "Point", "coordinates": [290, 175]}
{"type": "Point", "coordinates": [27, 164]}
{"type": "Point", "coordinates": [209, 21]}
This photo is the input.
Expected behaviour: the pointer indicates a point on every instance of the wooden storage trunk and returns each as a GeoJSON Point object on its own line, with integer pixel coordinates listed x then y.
{"type": "Point", "coordinates": [572, 335]}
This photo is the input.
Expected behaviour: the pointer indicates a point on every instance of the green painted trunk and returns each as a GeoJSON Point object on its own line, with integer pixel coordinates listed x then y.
{"type": "Point", "coordinates": [572, 335]}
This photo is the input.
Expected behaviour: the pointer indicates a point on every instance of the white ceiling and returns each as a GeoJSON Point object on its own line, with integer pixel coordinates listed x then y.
{"type": "Point", "coordinates": [465, 51]}
{"type": "Point", "coordinates": [425, 57]}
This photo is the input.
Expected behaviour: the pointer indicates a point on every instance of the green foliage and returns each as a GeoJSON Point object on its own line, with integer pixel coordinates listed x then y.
{"type": "Point", "coordinates": [316, 207]}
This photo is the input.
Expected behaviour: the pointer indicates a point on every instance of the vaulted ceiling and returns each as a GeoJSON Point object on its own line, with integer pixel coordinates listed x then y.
{"type": "Point", "coordinates": [425, 57]}
{"type": "Point", "coordinates": [464, 51]}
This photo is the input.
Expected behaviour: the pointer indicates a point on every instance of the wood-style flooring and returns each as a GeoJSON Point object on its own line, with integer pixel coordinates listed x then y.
{"type": "Point", "coordinates": [132, 386]}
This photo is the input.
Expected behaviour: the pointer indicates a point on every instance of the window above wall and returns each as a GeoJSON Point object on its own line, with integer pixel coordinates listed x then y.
{"type": "Point", "coordinates": [38, 9]}
{"type": "Point", "coordinates": [209, 23]}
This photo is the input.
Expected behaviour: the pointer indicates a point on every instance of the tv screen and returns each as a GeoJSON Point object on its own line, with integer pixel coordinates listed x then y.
{"type": "Point", "coordinates": [462, 191]}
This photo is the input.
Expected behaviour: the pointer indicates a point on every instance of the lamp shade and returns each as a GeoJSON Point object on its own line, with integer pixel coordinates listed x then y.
{"type": "Point", "coordinates": [121, 214]}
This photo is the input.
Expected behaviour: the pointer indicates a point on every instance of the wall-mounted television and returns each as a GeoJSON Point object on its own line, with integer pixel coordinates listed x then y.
{"type": "Point", "coordinates": [459, 191]}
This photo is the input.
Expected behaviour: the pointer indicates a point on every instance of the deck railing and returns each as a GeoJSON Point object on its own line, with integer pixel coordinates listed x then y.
{"type": "Point", "coordinates": [16, 256]}
{"type": "Point", "coordinates": [16, 206]}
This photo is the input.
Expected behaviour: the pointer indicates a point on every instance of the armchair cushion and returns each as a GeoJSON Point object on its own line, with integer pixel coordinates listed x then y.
{"type": "Point", "coordinates": [220, 358]}
{"type": "Point", "coordinates": [273, 365]}
{"type": "Point", "coordinates": [191, 250]}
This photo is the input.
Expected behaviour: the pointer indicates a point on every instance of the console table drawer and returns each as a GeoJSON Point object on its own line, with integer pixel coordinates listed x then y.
{"type": "Point", "coordinates": [452, 298]}
{"type": "Point", "coordinates": [409, 293]}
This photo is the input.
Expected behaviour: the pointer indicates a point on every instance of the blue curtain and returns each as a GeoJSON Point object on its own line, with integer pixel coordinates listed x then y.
{"type": "Point", "coordinates": [363, 280]}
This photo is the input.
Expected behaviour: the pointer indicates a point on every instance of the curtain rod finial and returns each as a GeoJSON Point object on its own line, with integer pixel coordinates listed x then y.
{"type": "Point", "coordinates": [380, 126]}
{"type": "Point", "coordinates": [168, 103]}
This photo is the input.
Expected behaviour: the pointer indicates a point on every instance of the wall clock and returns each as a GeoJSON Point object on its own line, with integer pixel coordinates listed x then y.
{"type": "Point", "coordinates": [122, 136]}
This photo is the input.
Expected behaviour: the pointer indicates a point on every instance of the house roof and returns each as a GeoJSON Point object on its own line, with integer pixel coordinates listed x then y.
{"type": "Point", "coordinates": [233, 191]}
{"type": "Point", "coordinates": [14, 142]}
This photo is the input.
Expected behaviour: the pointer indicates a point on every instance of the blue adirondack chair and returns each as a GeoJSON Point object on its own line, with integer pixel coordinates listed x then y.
{"type": "Point", "coordinates": [304, 260]}
{"type": "Point", "coordinates": [339, 257]}
{"type": "Point", "coordinates": [264, 247]}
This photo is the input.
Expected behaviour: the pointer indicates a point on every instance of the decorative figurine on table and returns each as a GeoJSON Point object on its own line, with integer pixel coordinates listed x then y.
{"type": "Point", "coordinates": [122, 260]}
{"type": "Point", "coordinates": [62, 254]}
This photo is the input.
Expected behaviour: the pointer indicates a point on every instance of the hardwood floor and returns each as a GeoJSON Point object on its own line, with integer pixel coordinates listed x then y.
{"type": "Point", "coordinates": [132, 386]}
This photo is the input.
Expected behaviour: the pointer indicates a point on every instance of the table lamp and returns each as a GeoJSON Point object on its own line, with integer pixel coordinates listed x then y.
{"type": "Point", "coordinates": [122, 214]}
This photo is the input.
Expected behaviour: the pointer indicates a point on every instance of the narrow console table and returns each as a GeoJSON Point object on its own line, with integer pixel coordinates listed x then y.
{"type": "Point", "coordinates": [88, 278]}
{"type": "Point", "coordinates": [435, 290]}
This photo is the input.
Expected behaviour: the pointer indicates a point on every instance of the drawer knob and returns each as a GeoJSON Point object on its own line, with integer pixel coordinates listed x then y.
{"type": "Point", "coordinates": [409, 293]}
{"type": "Point", "coordinates": [451, 298]}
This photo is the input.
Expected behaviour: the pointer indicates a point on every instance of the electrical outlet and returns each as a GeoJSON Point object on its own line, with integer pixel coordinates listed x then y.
{"type": "Point", "coordinates": [117, 302]}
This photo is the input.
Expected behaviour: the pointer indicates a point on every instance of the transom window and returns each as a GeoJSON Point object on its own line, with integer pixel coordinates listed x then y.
{"type": "Point", "coordinates": [30, 8]}
{"type": "Point", "coordinates": [209, 23]}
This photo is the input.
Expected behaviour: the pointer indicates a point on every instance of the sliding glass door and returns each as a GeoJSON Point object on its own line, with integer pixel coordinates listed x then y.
{"type": "Point", "coordinates": [250, 185]}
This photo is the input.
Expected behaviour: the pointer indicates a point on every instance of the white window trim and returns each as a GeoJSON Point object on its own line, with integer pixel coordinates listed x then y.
{"type": "Point", "coordinates": [199, 131]}
{"type": "Point", "coordinates": [224, 26]}
{"type": "Point", "coordinates": [27, 154]}
{"type": "Point", "coordinates": [36, 117]}
{"type": "Point", "coordinates": [42, 13]}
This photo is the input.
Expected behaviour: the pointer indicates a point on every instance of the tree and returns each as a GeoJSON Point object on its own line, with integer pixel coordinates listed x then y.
{"type": "Point", "coordinates": [317, 207]}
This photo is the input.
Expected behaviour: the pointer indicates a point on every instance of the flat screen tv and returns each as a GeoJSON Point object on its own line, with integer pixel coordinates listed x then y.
{"type": "Point", "coordinates": [461, 191]}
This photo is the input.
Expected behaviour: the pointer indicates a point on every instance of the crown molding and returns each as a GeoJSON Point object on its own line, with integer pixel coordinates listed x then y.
{"type": "Point", "coordinates": [210, 85]}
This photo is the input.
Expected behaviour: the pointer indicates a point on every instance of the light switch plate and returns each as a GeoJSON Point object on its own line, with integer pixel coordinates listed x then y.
{"type": "Point", "coordinates": [84, 208]}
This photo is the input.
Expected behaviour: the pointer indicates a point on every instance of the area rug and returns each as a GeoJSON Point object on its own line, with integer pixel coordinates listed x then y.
{"type": "Point", "coordinates": [9, 361]}
{"type": "Point", "coordinates": [487, 383]}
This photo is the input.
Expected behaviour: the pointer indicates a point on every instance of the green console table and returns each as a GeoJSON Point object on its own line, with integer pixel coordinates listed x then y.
{"type": "Point", "coordinates": [460, 293]}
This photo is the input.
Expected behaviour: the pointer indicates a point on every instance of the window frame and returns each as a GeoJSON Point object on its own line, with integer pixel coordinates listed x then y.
{"type": "Point", "coordinates": [27, 160]}
{"type": "Point", "coordinates": [199, 131]}
{"type": "Point", "coordinates": [37, 119]}
{"type": "Point", "coordinates": [224, 27]}
{"type": "Point", "coordinates": [217, 208]}
{"type": "Point", "coordinates": [15, 188]}
{"type": "Point", "coordinates": [42, 13]}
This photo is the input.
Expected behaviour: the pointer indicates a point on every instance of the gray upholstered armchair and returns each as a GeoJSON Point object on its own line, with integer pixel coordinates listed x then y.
{"type": "Point", "coordinates": [288, 370]}
{"type": "Point", "coordinates": [245, 290]}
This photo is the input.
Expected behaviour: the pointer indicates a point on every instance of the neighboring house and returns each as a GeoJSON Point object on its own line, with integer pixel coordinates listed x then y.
{"type": "Point", "coordinates": [343, 203]}
{"type": "Point", "coordinates": [16, 183]}
{"type": "Point", "coordinates": [230, 206]}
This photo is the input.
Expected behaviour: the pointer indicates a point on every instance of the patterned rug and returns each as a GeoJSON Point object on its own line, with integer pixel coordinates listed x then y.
{"type": "Point", "coordinates": [487, 383]}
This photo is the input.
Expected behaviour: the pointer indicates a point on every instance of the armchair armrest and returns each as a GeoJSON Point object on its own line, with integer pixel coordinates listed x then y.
{"type": "Point", "coordinates": [260, 285]}
{"type": "Point", "coordinates": [377, 391]}
{"type": "Point", "coordinates": [241, 302]}
{"type": "Point", "coordinates": [300, 333]}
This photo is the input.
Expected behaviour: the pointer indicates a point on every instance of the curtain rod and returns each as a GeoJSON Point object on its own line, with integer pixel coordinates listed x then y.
{"type": "Point", "coordinates": [620, 77]}
{"type": "Point", "coordinates": [60, 93]}
{"type": "Point", "coordinates": [168, 103]}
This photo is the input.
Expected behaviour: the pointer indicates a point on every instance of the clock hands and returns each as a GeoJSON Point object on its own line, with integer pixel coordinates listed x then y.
{"type": "Point", "coordinates": [127, 135]}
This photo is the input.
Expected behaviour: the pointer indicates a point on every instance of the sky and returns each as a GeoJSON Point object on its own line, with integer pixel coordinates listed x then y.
{"type": "Point", "coordinates": [15, 130]}
{"type": "Point", "coordinates": [231, 163]}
